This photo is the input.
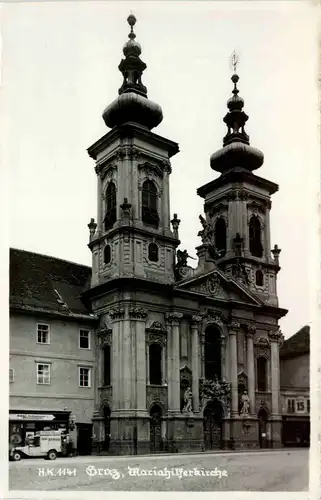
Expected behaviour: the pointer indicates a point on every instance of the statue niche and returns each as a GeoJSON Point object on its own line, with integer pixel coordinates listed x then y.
{"type": "Point", "coordinates": [186, 382]}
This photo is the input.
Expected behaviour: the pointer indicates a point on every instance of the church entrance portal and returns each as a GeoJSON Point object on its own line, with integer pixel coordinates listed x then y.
{"type": "Point", "coordinates": [155, 428]}
{"type": "Point", "coordinates": [213, 426]}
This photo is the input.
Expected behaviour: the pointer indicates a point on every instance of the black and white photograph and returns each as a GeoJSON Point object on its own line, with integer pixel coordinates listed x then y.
{"type": "Point", "coordinates": [162, 168]}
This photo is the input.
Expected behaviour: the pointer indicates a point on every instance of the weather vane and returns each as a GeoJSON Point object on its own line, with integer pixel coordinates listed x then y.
{"type": "Point", "coordinates": [234, 60]}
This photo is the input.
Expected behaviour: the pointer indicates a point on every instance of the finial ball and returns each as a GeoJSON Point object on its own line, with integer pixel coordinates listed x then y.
{"type": "Point", "coordinates": [131, 19]}
{"type": "Point", "coordinates": [235, 78]}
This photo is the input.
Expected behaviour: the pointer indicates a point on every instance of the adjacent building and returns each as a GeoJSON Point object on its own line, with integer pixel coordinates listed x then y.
{"type": "Point", "coordinates": [52, 337]}
{"type": "Point", "coordinates": [295, 388]}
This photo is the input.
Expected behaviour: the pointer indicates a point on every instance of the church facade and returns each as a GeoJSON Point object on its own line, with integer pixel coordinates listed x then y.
{"type": "Point", "coordinates": [185, 358]}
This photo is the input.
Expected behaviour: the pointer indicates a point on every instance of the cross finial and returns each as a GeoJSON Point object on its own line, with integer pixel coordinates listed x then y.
{"type": "Point", "coordinates": [234, 60]}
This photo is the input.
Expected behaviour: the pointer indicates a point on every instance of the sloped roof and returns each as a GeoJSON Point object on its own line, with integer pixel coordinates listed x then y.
{"type": "Point", "coordinates": [298, 344]}
{"type": "Point", "coordinates": [44, 282]}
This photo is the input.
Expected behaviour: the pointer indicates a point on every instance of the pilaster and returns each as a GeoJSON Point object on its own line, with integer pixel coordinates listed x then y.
{"type": "Point", "coordinates": [275, 339]}
{"type": "Point", "coordinates": [117, 315]}
{"type": "Point", "coordinates": [173, 320]}
{"type": "Point", "coordinates": [223, 357]}
{"type": "Point", "coordinates": [195, 362]}
{"type": "Point", "coordinates": [250, 331]}
{"type": "Point", "coordinates": [138, 316]}
{"type": "Point", "coordinates": [233, 329]}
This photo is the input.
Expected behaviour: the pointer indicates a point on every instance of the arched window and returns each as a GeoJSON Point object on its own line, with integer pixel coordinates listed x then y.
{"type": "Point", "coordinates": [261, 368]}
{"type": "Point", "coordinates": [106, 351]}
{"type": "Point", "coordinates": [259, 278]}
{"type": "Point", "coordinates": [220, 236]}
{"type": "Point", "coordinates": [149, 204]}
{"type": "Point", "coordinates": [110, 217]}
{"type": "Point", "coordinates": [155, 364]}
{"type": "Point", "coordinates": [212, 353]}
{"type": "Point", "coordinates": [153, 252]}
{"type": "Point", "coordinates": [256, 248]}
{"type": "Point", "coordinates": [107, 254]}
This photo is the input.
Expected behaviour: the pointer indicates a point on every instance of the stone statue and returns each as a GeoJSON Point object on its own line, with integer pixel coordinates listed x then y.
{"type": "Point", "coordinates": [207, 232]}
{"type": "Point", "coordinates": [245, 400]}
{"type": "Point", "coordinates": [125, 208]}
{"type": "Point", "coordinates": [182, 256]}
{"type": "Point", "coordinates": [188, 398]}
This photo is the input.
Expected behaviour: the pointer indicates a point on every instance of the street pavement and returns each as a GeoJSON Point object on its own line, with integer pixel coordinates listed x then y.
{"type": "Point", "coordinates": [275, 470]}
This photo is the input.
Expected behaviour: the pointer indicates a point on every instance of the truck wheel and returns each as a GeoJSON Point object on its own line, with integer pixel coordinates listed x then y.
{"type": "Point", "coordinates": [16, 456]}
{"type": "Point", "coordinates": [52, 455]}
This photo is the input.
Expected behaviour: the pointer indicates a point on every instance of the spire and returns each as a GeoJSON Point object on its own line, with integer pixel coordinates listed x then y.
{"type": "Point", "coordinates": [235, 119]}
{"type": "Point", "coordinates": [132, 105]}
{"type": "Point", "coordinates": [132, 66]}
{"type": "Point", "coordinates": [236, 151]}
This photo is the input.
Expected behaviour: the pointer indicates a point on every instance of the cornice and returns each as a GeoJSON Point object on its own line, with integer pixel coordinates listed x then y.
{"type": "Point", "coordinates": [237, 175]}
{"type": "Point", "coordinates": [132, 228]}
{"type": "Point", "coordinates": [31, 310]}
{"type": "Point", "coordinates": [242, 259]}
{"type": "Point", "coordinates": [131, 130]}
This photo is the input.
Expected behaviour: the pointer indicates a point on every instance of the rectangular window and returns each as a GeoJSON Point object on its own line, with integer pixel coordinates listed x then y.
{"type": "Point", "coordinates": [43, 334]}
{"type": "Point", "coordinates": [155, 364]}
{"type": "Point", "coordinates": [84, 339]}
{"type": "Point", "coordinates": [106, 354]}
{"type": "Point", "coordinates": [291, 406]}
{"type": "Point", "coordinates": [11, 375]}
{"type": "Point", "coordinates": [84, 377]}
{"type": "Point", "coordinates": [261, 374]}
{"type": "Point", "coordinates": [43, 373]}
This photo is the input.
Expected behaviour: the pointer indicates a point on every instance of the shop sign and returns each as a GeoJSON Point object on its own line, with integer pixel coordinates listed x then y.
{"type": "Point", "coordinates": [30, 416]}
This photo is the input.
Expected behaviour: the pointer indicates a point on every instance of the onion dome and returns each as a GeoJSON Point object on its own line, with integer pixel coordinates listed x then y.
{"type": "Point", "coordinates": [132, 105]}
{"type": "Point", "coordinates": [236, 151]}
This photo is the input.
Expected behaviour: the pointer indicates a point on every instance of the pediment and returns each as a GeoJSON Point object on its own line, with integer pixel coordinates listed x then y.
{"type": "Point", "coordinates": [217, 285]}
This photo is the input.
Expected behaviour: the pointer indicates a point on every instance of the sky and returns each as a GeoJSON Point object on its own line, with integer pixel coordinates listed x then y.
{"type": "Point", "coordinates": [60, 70]}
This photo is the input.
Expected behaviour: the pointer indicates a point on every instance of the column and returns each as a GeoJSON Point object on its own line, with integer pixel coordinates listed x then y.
{"type": "Point", "coordinates": [202, 339]}
{"type": "Point", "coordinates": [250, 367]}
{"type": "Point", "coordinates": [127, 361]}
{"type": "Point", "coordinates": [169, 364]}
{"type": "Point", "coordinates": [116, 316]}
{"type": "Point", "coordinates": [223, 363]}
{"type": "Point", "coordinates": [233, 328]}
{"type": "Point", "coordinates": [267, 241]}
{"type": "Point", "coordinates": [100, 205]}
{"type": "Point", "coordinates": [195, 362]}
{"type": "Point", "coordinates": [147, 364]}
{"type": "Point", "coordinates": [101, 365]}
{"type": "Point", "coordinates": [174, 318]}
{"type": "Point", "coordinates": [163, 364]}
{"type": "Point", "coordinates": [275, 372]}
{"type": "Point", "coordinates": [166, 203]}
{"type": "Point", "coordinates": [138, 317]}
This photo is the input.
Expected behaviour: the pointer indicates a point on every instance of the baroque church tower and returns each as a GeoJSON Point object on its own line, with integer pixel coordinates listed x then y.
{"type": "Point", "coordinates": [132, 237]}
{"type": "Point", "coordinates": [237, 207]}
{"type": "Point", "coordinates": [186, 358]}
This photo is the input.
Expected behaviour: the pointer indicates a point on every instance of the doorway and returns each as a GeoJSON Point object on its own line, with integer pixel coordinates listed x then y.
{"type": "Point", "coordinates": [156, 428]}
{"type": "Point", "coordinates": [84, 439]}
{"type": "Point", "coordinates": [213, 426]}
{"type": "Point", "coordinates": [106, 443]}
{"type": "Point", "coordinates": [263, 418]}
